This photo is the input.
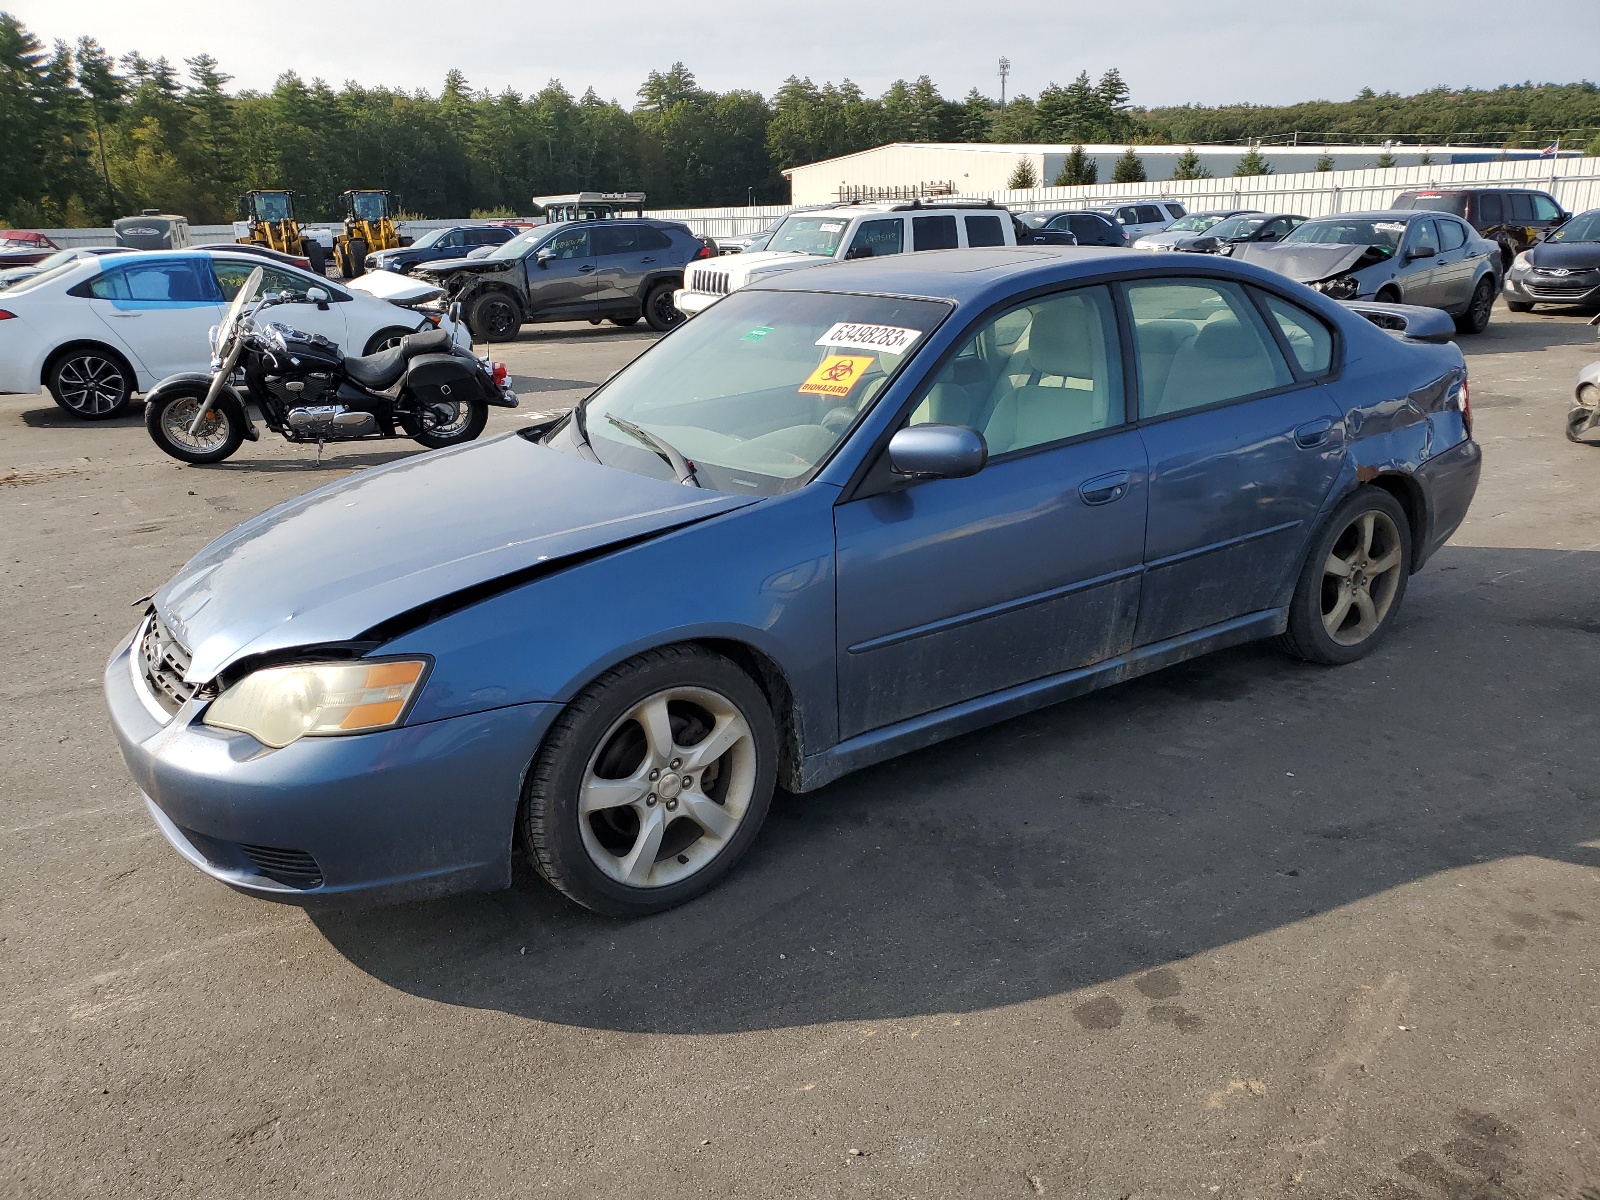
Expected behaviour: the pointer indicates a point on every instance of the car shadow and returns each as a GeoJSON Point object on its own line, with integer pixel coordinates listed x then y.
{"type": "Point", "coordinates": [52, 416]}
{"type": "Point", "coordinates": [1211, 802]}
{"type": "Point", "coordinates": [332, 459]}
{"type": "Point", "coordinates": [1542, 329]}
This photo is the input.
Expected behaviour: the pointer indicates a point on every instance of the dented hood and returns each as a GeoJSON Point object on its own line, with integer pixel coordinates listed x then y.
{"type": "Point", "coordinates": [1304, 262]}
{"type": "Point", "coordinates": [330, 565]}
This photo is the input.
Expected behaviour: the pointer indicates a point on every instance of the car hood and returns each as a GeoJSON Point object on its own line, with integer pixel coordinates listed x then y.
{"type": "Point", "coordinates": [400, 289]}
{"type": "Point", "coordinates": [1165, 239]}
{"type": "Point", "coordinates": [1571, 256]}
{"type": "Point", "coordinates": [449, 266]}
{"type": "Point", "coordinates": [1306, 262]}
{"type": "Point", "coordinates": [762, 262]}
{"type": "Point", "coordinates": [332, 564]}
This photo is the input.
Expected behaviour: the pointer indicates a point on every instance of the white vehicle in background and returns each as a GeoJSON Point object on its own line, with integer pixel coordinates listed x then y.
{"type": "Point", "coordinates": [94, 332]}
{"type": "Point", "coordinates": [1140, 217]}
{"type": "Point", "coordinates": [1190, 226]}
{"type": "Point", "coordinates": [847, 231]}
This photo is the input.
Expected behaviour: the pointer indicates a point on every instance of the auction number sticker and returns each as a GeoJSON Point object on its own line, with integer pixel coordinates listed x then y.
{"type": "Point", "coordinates": [890, 339]}
{"type": "Point", "coordinates": [837, 374]}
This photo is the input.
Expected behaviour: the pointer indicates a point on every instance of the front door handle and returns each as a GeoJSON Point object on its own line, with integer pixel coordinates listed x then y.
{"type": "Point", "coordinates": [125, 316]}
{"type": "Point", "coordinates": [1103, 489]}
{"type": "Point", "coordinates": [647, 260]}
{"type": "Point", "coordinates": [584, 270]}
{"type": "Point", "coordinates": [1313, 433]}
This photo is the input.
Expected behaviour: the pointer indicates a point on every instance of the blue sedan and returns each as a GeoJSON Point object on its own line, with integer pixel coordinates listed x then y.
{"type": "Point", "coordinates": [841, 515]}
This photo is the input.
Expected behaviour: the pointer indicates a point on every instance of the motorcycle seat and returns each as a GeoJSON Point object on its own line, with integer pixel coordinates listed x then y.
{"type": "Point", "coordinates": [383, 369]}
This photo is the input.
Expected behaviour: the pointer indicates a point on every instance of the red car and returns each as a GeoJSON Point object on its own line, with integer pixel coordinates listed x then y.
{"type": "Point", "coordinates": [19, 248]}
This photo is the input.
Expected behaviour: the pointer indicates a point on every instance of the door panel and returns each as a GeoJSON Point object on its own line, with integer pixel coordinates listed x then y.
{"type": "Point", "coordinates": [956, 588]}
{"type": "Point", "coordinates": [623, 255]}
{"type": "Point", "coordinates": [566, 280]}
{"type": "Point", "coordinates": [1424, 280]}
{"type": "Point", "coordinates": [161, 308]}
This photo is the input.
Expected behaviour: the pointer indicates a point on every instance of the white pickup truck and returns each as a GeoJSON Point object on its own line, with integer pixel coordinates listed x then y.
{"type": "Point", "coordinates": [845, 231]}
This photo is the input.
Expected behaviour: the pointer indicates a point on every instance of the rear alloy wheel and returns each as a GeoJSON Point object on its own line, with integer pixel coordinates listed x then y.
{"type": "Point", "coordinates": [653, 783]}
{"type": "Point", "coordinates": [494, 317]}
{"type": "Point", "coordinates": [1476, 319]}
{"type": "Point", "coordinates": [659, 310]}
{"type": "Point", "coordinates": [90, 383]}
{"type": "Point", "coordinates": [1353, 580]}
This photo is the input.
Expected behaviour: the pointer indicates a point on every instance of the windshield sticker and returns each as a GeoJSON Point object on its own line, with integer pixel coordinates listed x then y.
{"type": "Point", "coordinates": [756, 334]}
{"type": "Point", "coordinates": [831, 226]}
{"type": "Point", "coordinates": [890, 339]}
{"type": "Point", "coordinates": [837, 374]}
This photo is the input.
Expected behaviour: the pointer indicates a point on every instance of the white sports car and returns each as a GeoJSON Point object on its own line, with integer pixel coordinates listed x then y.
{"type": "Point", "coordinates": [95, 331]}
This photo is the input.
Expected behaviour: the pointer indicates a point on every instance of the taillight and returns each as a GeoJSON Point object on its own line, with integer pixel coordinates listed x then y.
{"type": "Point", "coordinates": [704, 252]}
{"type": "Point", "coordinates": [498, 370]}
{"type": "Point", "coordinates": [7, 316]}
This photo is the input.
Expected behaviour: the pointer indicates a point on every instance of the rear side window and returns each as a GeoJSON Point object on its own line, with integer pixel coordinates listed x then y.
{"type": "Point", "coordinates": [1175, 209]}
{"type": "Point", "coordinates": [1490, 210]}
{"type": "Point", "coordinates": [1093, 231]}
{"type": "Point", "coordinates": [1519, 207]}
{"type": "Point", "coordinates": [934, 233]}
{"type": "Point", "coordinates": [985, 231]}
{"type": "Point", "coordinates": [651, 238]}
{"type": "Point", "coordinates": [1544, 208]}
{"type": "Point", "coordinates": [183, 281]}
{"type": "Point", "coordinates": [1310, 341]}
{"type": "Point", "coordinates": [874, 239]}
{"type": "Point", "coordinates": [1200, 342]}
{"type": "Point", "coordinates": [1451, 236]}
{"type": "Point", "coordinates": [1150, 214]}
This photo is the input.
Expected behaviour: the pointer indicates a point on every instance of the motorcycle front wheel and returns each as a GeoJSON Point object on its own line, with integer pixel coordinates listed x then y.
{"type": "Point", "coordinates": [448, 423]}
{"type": "Point", "coordinates": [168, 420]}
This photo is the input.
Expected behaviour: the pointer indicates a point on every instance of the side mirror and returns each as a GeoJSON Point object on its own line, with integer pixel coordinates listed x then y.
{"type": "Point", "coordinates": [1561, 219]}
{"type": "Point", "coordinates": [1420, 252]}
{"type": "Point", "coordinates": [938, 452]}
{"type": "Point", "coordinates": [543, 258]}
{"type": "Point", "coordinates": [317, 296]}
{"type": "Point", "coordinates": [858, 252]}
{"type": "Point", "coordinates": [1206, 244]}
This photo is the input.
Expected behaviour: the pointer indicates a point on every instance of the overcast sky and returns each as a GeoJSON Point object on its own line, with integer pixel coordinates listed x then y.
{"type": "Point", "coordinates": [1169, 51]}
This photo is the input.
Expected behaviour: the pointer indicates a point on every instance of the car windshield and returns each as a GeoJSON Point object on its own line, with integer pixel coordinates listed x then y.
{"type": "Point", "coordinates": [757, 390]}
{"type": "Point", "coordinates": [44, 277]}
{"type": "Point", "coordinates": [524, 243]}
{"type": "Point", "coordinates": [1345, 231]}
{"type": "Point", "coordinates": [1585, 227]}
{"type": "Point", "coordinates": [1195, 223]}
{"type": "Point", "coordinates": [810, 235]}
{"type": "Point", "coordinates": [1456, 205]}
{"type": "Point", "coordinates": [429, 238]}
{"type": "Point", "coordinates": [1236, 227]}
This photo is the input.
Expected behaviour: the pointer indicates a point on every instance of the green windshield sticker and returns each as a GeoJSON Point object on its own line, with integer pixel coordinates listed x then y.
{"type": "Point", "coordinates": [756, 334]}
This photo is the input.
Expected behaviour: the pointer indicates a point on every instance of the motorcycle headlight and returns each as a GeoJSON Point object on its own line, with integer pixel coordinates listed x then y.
{"type": "Point", "coordinates": [279, 705]}
{"type": "Point", "coordinates": [1342, 288]}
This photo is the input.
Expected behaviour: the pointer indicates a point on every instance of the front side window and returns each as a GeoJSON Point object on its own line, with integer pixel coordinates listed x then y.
{"type": "Point", "coordinates": [1034, 375]}
{"type": "Point", "coordinates": [231, 276]}
{"type": "Point", "coordinates": [1544, 208]}
{"type": "Point", "coordinates": [1092, 230]}
{"type": "Point", "coordinates": [569, 243]}
{"type": "Point", "coordinates": [874, 239]}
{"type": "Point", "coordinates": [1128, 215]}
{"type": "Point", "coordinates": [1200, 342]}
{"type": "Point", "coordinates": [757, 390]}
{"type": "Point", "coordinates": [183, 281]}
{"type": "Point", "coordinates": [1424, 239]}
{"type": "Point", "coordinates": [985, 231]}
{"type": "Point", "coordinates": [1150, 214]}
{"type": "Point", "coordinates": [1310, 341]}
{"type": "Point", "coordinates": [934, 233]}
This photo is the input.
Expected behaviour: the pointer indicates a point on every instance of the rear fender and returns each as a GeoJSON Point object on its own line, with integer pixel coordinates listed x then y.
{"type": "Point", "coordinates": [186, 380]}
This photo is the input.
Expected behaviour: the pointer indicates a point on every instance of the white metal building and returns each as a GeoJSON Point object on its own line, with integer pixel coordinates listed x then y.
{"type": "Point", "coordinates": [966, 168]}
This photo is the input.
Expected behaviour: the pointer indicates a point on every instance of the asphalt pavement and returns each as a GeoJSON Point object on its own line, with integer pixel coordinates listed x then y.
{"type": "Point", "coordinates": [1242, 928]}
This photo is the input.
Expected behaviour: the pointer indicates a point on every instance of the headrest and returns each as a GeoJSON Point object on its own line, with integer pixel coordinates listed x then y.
{"type": "Point", "coordinates": [1062, 340]}
{"type": "Point", "coordinates": [1226, 339]}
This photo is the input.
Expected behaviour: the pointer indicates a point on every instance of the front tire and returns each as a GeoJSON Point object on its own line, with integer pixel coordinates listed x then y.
{"type": "Point", "coordinates": [385, 339]}
{"type": "Point", "coordinates": [1476, 319]}
{"type": "Point", "coordinates": [90, 383]}
{"type": "Point", "coordinates": [1353, 581]}
{"type": "Point", "coordinates": [659, 311]}
{"type": "Point", "coordinates": [1518, 306]}
{"type": "Point", "coordinates": [653, 783]}
{"type": "Point", "coordinates": [356, 251]}
{"type": "Point", "coordinates": [316, 256]}
{"type": "Point", "coordinates": [168, 418]}
{"type": "Point", "coordinates": [624, 322]}
{"type": "Point", "coordinates": [494, 317]}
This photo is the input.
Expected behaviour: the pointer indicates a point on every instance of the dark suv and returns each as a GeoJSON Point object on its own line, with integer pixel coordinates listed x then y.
{"type": "Point", "coordinates": [1069, 229]}
{"type": "Point", "coordinates": [1516, 218]}
{"type": "Point", "coordinates": [604, 270]}
{"type": "Point", "coordinates": [439, 244]}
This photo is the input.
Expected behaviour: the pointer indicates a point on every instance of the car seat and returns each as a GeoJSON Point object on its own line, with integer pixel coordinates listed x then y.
{"type": "Point", "coordinates": [1066, 390]}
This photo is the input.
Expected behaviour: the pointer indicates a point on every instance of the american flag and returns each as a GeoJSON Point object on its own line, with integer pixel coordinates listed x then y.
{"type": "Point", "coordinates": [1551, 150]}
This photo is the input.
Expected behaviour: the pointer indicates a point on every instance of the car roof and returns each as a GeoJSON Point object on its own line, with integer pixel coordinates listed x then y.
{"type": "Point", "coordinates": [1381, 214]}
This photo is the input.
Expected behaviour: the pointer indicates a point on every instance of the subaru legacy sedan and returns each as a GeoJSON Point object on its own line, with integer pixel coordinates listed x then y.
{"type": "Point", "coordinates": [843, 514]}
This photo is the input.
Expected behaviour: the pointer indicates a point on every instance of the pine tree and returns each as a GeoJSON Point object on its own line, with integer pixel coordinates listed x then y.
{"type": "Point", "coordinates": [1129, 168]}
{"type": "Point", "coordinates": [1024, 176]}
{"type": "Point", "coordinates": [1324, 163]}
{"type": "Point", "coordinates": [1384, 160]}
{"type": "Point", "coordinates": [977, 117]}
{"type": "Point", "coordinates": [1188, 166]}
{"type": "Point", "coordinates": [1252, 164]}
{"type": "Point", "coordinates": [1077, 170]}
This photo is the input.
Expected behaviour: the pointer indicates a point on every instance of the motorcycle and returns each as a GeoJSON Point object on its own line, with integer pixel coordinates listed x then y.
{"type": "Point", "coordinates": [1583, 421]}
{"type": "Point", "coordinates": [427, 388]}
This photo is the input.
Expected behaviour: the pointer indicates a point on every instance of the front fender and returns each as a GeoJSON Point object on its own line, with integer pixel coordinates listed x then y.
{"type": "Point", "coordinates": [188, 379]}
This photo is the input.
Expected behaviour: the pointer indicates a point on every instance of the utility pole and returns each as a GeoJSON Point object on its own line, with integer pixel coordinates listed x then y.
{"type": "Point", "coordinates": [1005, 69]}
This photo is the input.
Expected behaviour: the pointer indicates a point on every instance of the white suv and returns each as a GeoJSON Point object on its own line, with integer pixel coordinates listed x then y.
{"type": "Point", "coordinates": [848, 231]}
{"type": "Point", "coordinates": [1143, 216]}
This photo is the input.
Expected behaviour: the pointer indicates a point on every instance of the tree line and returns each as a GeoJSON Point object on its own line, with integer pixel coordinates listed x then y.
{"type": "Point", "coordinates": [90, 135]}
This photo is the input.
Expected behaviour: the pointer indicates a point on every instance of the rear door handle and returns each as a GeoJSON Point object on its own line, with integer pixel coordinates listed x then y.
{"type": "Point", "coordinates": [1103, 489]}
{"type": "Point", "coordinates": [584, 270]}
{"type": "Point", "coordinates": [647, 259]}
{"type": "Point", "coordinates": [1313, 433]}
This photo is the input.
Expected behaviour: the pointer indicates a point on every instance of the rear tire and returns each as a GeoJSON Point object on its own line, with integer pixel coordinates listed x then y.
{"type": "Point", "coordinates": [1353, 581]}
{"type": "Point", "coordinates": [385, 339]}
{"type": "Point", "coordinates": [90, 383]}
{"type": "Point", "coordinates": [695, 819]}
{"type": "Point", "coordinates": [357, 253]}
{"type": "Point", "coordinates": [316, 256]}
{"type": "Point", "coordinates": [1476, 319]}
{"type": "Point", "coordinates": [659, 310]}
{"type": "Point", "coordinates": [1388, 295]}
{"type": "Point", "coordinates": [465, 428]}
{"type": "Point", "coordinates": [624, 322]}
{"type": "Point", "coordinates": [167, 420]}
{"type": "Point", "coordinates": [494, 317]}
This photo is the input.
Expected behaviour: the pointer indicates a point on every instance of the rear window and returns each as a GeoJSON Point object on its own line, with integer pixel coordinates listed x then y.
{"type": "Point", "coordinates": [1453, 203]}
{"type": "Point", "coordinates": [985, 231]}
{"type": "Point", "coordinates": [934, 233]}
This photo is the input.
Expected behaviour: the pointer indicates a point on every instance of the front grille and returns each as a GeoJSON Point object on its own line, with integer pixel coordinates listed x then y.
{"type": "Point", "coordinates": [295, 868]}
{"type": "Point", "coordinates": [164, 662]}
{"type": "Point", "coordinates": [712, 283]}
{"type": "Point", "coordinates": [1562, 291]}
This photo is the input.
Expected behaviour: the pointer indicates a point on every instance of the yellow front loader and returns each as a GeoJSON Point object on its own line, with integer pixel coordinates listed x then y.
{"type": "Point", "coordinates": [271, 220]}
{"type": "Point", "coordinates": [368, 228]}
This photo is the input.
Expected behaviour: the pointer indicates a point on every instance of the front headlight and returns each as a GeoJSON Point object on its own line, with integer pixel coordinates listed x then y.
{"type": "Point", "coordinates": [1520, 262]}
{"type": "Point", "coordinates": [279, 705]}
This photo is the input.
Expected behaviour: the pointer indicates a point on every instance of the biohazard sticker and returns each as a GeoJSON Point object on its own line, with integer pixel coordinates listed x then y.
{"type": "Point", "coordinates": [890, 339]}
{"type": "Point", "coordinates": [837, 374]}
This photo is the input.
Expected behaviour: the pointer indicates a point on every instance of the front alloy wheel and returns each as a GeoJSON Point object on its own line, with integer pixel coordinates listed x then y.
{"type": "Point", "coordinates": [653, 783]}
